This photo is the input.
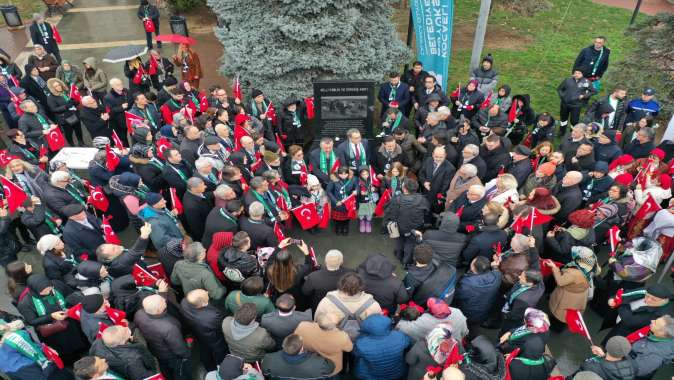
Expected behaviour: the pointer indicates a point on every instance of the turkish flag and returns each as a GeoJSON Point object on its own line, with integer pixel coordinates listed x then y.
{"type": "Point", "coordinates": [5, 157]}
{"type": "Point", "coordinates": [309, 102]}
{"type": "Point", "coordinates": [281, 203]}
{"type": "Point", "coordinates": [131, 119]}
{"type": "Point", "coordinates": [314, 261]}
{"type": "Point", "coordinates": [236, 89]}
{"type": "Point", "coordinates": [487, 101]}
{"type": "Point", "coordinates": [112, 160]}
{"type": "Point", "coordinates": [203, 102]}
{"type": "Point", "coordinates": [335, 166]}
{"type": "Point", "coordinates": [454, 356]}
{"type": "Point", "coordinates": [175, 200]}
{"type": "Point", "coordinates": [271, 113]}
{"type": "Point", "coordinates": [158, 376]}
{"type": "Point", "coordinates": [383, 201]}
{"type": "Point", "coordinates": [535, 218]}
{"type": "Point", "coordinates": [143, 277]}
{"type": "Point", "coordinates": [304, 176]}
{"type": "Point", "coordinates": [307, 215]}
{"type": "Point", "coordinates": [188, 112]}
{"type": "Point", "coordinates": [43, 153]}
{"type": "Point", "coordinates": [75, 312]}
{"type": "Point", "coordinates": [109, 234]}
{"type": "Point", "coordinates": [498, 249]}
{"type": "Point", "coordinates": [278, 232]}
{"type": "Point", "coordinates": [55, 139]}
{"type": "Point", "coordinates": [350, 204]}
{"type": "Point", "coordinates": [162, 144]}
{"type": "Point", "coordinates": [116, 316]}
{"type": "Point", "coordinates": [618, 298]}
{"type": "Point", "coordinates": [546, 270]}
{"type": "Point", "coordinates": [75, 94]}
{"type": "Point", "coordinates": [244, 184]}
{"type": "Point", "coordinates": [52, 355]}
{"type": "Point", "coordinates": [97, 198]}
{"type": "Point", "coordinates": [152, 66]}
{"type": "Point", "coordinates": [574, 319]}
{"type": "Point", "coordinates": [375, 181]}
{"type": "Point", "coordinates": [648, 209]}
{"type": "Point", "coordinates": [614, 238]}
{"type": "Point", "coordinates": [14, 194]}
{"type": "Point", "coordinates": [118, 142]}
{"type": "Point", "coordinates": [280, 143]}
{"type": "Point", "coordinates": [57, 35]}
{"type": "Point", "coordinates": [459, 211]}
{"type": "Point", "coordinates": [256, 165]}
{"type": "Point", "coordinates": [158, 271]}
{"type": "Point", "coordinates": [512, 114]}
{"type": "Point", "coordinates": [639, 334]}
{"type": "Point", "coordinates": [325, 216]}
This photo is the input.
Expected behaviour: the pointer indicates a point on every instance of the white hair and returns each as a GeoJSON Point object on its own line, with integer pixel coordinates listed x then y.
{"type": "Point", "coordinates": [154, 304]}
{"type": "Point", "coordinates": [221, 190]}
{"type": "Point", "coordinates": [256, 209]}
{"type": "Point", "coordinates": [469, 169]}
{"type": "Point", "coordinates": [473, 149]}
{"type": "Point", "coordinates": [477, 189]}
{"type": "Point", "coordinates": [58, 176]}
{"type": "Point", "coordinates": [444, 111]}
{"type": "Point", "coordinates": [114, 80]}
{"type": "Point", "coordinates": [202, 162]}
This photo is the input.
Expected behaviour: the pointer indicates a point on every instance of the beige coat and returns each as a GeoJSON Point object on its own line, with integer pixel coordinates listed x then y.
{"type": "Point", "coordinates": [455, 191]}
{"type": "Point", "coordinates": [330, 344]}
{"type": "Point", "coordinates": [351, 302]}
{"type": "Point", "coordinates": [570, 293]}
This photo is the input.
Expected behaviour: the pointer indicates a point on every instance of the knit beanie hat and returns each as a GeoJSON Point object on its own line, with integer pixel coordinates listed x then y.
{"type": "Point", "coordinates": [46, 243]}
{"type": "Point", "coordinates": [92, 303]}
{"type": "Point", "coordinates": [618, 347]}
{"type": "Point", "coordinates": [547, 169]}
{"type": "Point", "coordinates": [153, 198]}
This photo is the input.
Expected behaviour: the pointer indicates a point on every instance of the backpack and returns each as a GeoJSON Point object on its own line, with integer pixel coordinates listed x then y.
{"type": "Point", "coordinates": [351, 322]}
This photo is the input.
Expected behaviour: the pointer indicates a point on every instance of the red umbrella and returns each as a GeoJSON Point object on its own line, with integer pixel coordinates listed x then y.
{"type": "Point", "coordinates": [176, 39]}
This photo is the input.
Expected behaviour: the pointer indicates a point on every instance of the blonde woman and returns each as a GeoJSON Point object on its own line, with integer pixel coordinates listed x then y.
{"type": "Point", "coordinates": [29, 177]}
{"type": "Point", "coordinates": [503, 190]}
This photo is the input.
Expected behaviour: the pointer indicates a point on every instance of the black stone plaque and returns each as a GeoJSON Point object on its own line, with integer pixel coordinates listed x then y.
{"type": "Point", "coordinates": [342, 105]}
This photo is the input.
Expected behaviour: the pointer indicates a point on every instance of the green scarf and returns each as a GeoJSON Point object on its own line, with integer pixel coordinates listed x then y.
{"type": "Point", "coordinates": [42, 120]}
{"type": "Point", "coordinates": [21, 342]}
{"type": "Point", "coordinates": [56, 297]}
{"type": "Point", "coordinates": [227, 216]}
{"type": "Point", "coordinates": [297, 123]}
{"type": "Point", "coordinates": [352, 154]}
{"type": "Point", "coordinates": [325, 165]}
{"type": "Point", "coordinates": [261, 199]}
{"type": "Point", "coordinates": [50, 223]}
{"type": "Point", "coordinates": [75, 195]}
{"type": "Point", "coordinates": [254, 110]}
{"type": "Point", "coordinates": [519, 333]}
{"type": "Point", "coordinates": [396, 123]}
{"type": "Point", "coordinates": [517, 293]}
{"type": "Point", "coordinates": [596, 64]}
{"type": "Point", "coordinates": [394, 92]}
{"type": "Point", "coordinates": [531, 362]}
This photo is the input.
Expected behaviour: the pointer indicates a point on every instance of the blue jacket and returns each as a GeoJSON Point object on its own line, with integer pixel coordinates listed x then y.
{"type": "Point", "coordinates": [164, 227]}
{"type": "Point", "coordinates": [476, 293]}
{"type": "Point", "coordinates": [606, 152]}
{"type": "Point", "coordinates": [637, 108]}
{"type": "Point", "coordinates": [482, 244]}
{"type": "Point", "coordinates": [379, 351]}
{"type": "Point", "coordinates": [335, 194]}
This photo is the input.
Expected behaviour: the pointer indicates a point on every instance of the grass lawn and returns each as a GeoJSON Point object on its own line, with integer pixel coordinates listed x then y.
{"type": "Point", "coordinates": [26, 8]}
{"type": "Point", "coordinates": [534, 54]}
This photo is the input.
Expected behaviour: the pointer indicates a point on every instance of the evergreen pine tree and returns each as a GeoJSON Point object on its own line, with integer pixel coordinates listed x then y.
{"type": "Point", "coordinates": [280, 46]}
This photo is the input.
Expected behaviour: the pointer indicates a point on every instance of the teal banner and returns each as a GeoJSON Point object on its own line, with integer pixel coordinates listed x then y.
{"type": "Point", "coordinates": [433, 28]}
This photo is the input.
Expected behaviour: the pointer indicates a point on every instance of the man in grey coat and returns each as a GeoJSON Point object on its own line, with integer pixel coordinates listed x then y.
{"type": "Point", "coordinates": [284, 320]}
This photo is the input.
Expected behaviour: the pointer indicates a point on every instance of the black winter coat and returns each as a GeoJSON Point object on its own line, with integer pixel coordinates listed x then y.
{"type": "Point", "coordinates": [163, 335]}
{"type": "Point", "coordinates": [114, 101]}
{"type": "Point", "coordinates": [196, 209]}
{"type": "Point", "coordinates": [482, 244]}
{"type": "Point", "coordinates": [206, 324]}
{"type": "Point", "coordinates": [447, 243]}
{"type": "Point", "coordinates": [81, 239]}
{"type": "Point", "coordinates": [587, 59]}
{"type": "Point", "coordinates": [131, 361]}
{"type": "Point", "coordinates": [439, 181]}
{"type": "Point", "coordinates": [124, 263]}
{"type": "Point", "coordinates": [472, 212]}
{"type": "Point", "coordinates": [91, 118]}
{"type": "Point", "coordinates": [521, 170]}
{"type": "Point", "coordinates": [173, 179]}
{"type": "Point", "coordinates": [56, 199]}
{"type": "Point", "coordinates": [317, 284]}
{"type": "Point", "coordinates": [408, 210]}
{"type": "Point", "coordinates": [61, 108]}
{"type": "Point", "coordinates": [571, 90]}
{"type": "Point", "coordinates": [260, 233]}
{"type": "Point", "coordinates": [31, 127]}
{"type": "Point", "coordinates": [58, 268]}
{"type": "Point", "coordinates": [378, 280]}
{"type": "Point", "coordinates": [306, 365]}
{"type": "Point", "coordinates": [477, 293]}
{"type": "Point", "coordinates": [625, 369]}
{"type": "Point", "coordinates": [34, 90]}
{"type": "Point", "coordinates": [479, 164]}
{"type": "Point", "coordinates": [570, 198]}
{"type": "Point", "coordinates": [9, 246]}
{"type": "Point", "coordinates": [149, 173]}
{"type": "Point", "coordinates": [496, 160]}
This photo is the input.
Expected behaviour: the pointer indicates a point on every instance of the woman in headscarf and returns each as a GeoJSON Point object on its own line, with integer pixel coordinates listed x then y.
{"type": "Point", "coordinates": [573, 281]}
{"type": "Point", "coordinates": [620, 165]}
{"type": "Point", "coordinates": [44, 307]}
{"type": "Point", "coordinates": [544, 201]}
{"type": "Point", "coordinates": [431, 352]}
{"type": "Point", "coordinates": [92, 277]}
{"type": "Point", "coordinates": [531, 363]}
{"type": "Point", "coordinates": [536, 324]}
{"type": "Point", "coordinates": [581, 233]}
{"type": "Point", "coordinates": [613, 210]}
{"type": "Point", "coordinates": [58, 265]}
{"type": "Point", "coordinates": [482, 361]}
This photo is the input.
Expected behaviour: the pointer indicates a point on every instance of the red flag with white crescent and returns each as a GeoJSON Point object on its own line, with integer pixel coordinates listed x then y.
{"type": "Point", "coordinates": [116, 316]}
{"type": "Point", "coordinates": [75, 94]}
{"type": "Point", "coordinates": [55, 139]}
{"type": "Point", "coordinates": [131, 119]}
{"type": "Point", "coordinates": [97, 198]}
{"type": "Point", "coordinates": [648, 209]}
{"type": "Point", "coordinates": [280, 143]}
{"type": "Point", "coordinates": [618, 298]}
{"type": "Point", "coordinates": [14, 194]}
{"type": "Point", "coordinates": [375, 181]}
{"type": "Point", "coordinates": [350, 204]}
{"type": "Point", "coordinates": [459, 211]}
{"type": "Point", "coordinates": [509, 361]}
{"type": "Point", "coordinates": [236, 89]}
{"type": "Point", "coordinates": [112, 160]}
{"type": "Point", "coordinates": [203, 102]}
{"type": "Point", "coordinates": [162, 144]}
{"type": "Point", "coordinates": [109, 233]}
{"type": "Point", "coordinates": [56, 34]}
{"type": "Point", "coordinates": [5, 157]}
{"type": "Point", "coordinates": [271, 113]}
{"type": "Point", "coordinates": [307, 215]}
{"type": "Point", "coordinates": [278, 232]}
{"type": "Point", "coordinates": [383, 201]}
{"type": "Point", "coordinates": [487, 101]}
{"type": "Point", "coordinates": [325, 216]}
{"type": "Point", "coordinates": [52, 355]}
{"type": "Point", "coordinates": [314, 260]}
{"type": "Point", "coordinates": [143, 277]}
{"type": "Point", "coordinates": [335, 166]}
{"type": "Point", "coordinates": [546, 270]}
{"type": "Point", "coordinates": [574, 319]}
{"type": "Point", "coordinates": [614, 238]}
{"type": "Point", "coordinates": [158, 271]}
{"type": "Point", "coordinates": [175, 200]}
{"type": "Point", "coordinates": [118, 142]}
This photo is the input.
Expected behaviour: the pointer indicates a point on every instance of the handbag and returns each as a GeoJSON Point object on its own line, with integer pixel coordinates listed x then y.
{"type": "Point", "coordinates": [72, 120]}
{"type": "Point", "coordinates": [148, 25]}
{"type": "Point", "coordinates": [392, 228]}
{"type": "Point", "coordinates": [50, 329]}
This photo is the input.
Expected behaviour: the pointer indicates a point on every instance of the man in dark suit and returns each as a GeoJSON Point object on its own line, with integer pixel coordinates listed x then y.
{"type": "Point", "coordinates": [471, 155]}
{"type": "Point", "coordinates": [259, 192]}
{"type": "Point", "coordinates": [521, 164]}
{"type": "Point", "coordinates": [395, 91]}
{"type": "Point", "coordinates": [284, 320]}
{"type": "Point", "coordinates": [260, 233]}
{"type": "Point", "coordinates": [205, 320]}
{"type": "Point", "coordinates": [197, 206]}
{"type": "Point", "coordinates": [41, 33]}
{"type": "Point", "coordinates": [354, 152]}
{"type": "Point", "coordinates": [59, 193]}
{"type": "Point", "coordinates": [435, 176]}
{"type": "Point", "coordinates": [222, 219]}
{"type": "Point", "coordinates": [83, 232]}
{"type": "Point", "coordinates": [176, 172]}
{"type": "Point", "coordinates": [322, 159]}
{"type": "Point", "coordinates": [469, 207]}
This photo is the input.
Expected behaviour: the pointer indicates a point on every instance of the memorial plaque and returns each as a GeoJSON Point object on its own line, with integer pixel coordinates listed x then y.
{"type": "Point", "coordinates": [342, 105]}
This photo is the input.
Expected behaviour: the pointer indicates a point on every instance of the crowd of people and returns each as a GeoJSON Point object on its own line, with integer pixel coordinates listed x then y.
{"type": "Point", "coordinates": [498, 216]}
